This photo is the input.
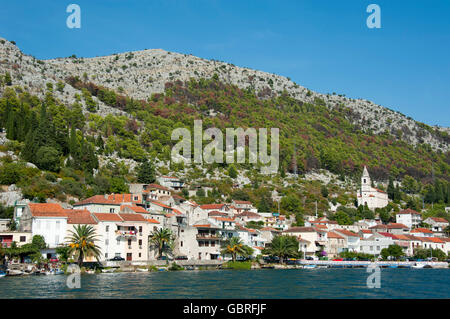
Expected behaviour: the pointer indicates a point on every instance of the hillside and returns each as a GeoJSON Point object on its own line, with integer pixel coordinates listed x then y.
{"type": "Point", "coordinates": [88, 123]}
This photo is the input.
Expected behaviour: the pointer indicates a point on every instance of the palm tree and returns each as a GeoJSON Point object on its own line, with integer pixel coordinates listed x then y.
{"type": "Point", "coordinates": [283, 246]}
{"type": "Point", "coordinates": [82, 243]}
{"type": "Point", "coordinates": [163, 240]}
{"type": "Point", "coordinates": [235, 247]}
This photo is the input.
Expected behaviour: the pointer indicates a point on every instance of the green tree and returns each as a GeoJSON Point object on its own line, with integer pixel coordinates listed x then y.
{"type": "Point", "coordinates": [232, 172]}
{"type": "Point", "coordinates": [48, 158]}
{"type": "Point", "coordinates": [38, 242]}
{"type": "Point", "coordinates": [394, 251]}
{"type": "Point", "coordinates": [162, 239]}
{"type": "Point", "coordinates": [146, 172]}
{"type": "Point", "coordinates": [82, 243]}
{"type": "Point", "coordinates": [8, 79]}
{"type": "Point", "coordinates": [283, 247]}
{"type": "Point", "coordinates": [234, 247]}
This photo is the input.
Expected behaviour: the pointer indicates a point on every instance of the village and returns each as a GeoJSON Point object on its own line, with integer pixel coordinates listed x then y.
{"type": "Point", "coordinates": [125, 223]}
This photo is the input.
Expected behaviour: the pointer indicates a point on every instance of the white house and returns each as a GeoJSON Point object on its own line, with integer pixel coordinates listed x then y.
{"type": "Point", "coordinates": [171, 182]}
{"type": "Point", "coordinates": [408, 217]}
{"type": "Point", "coordinates": [374, 244]}
{"type": "Point", "coordinates": [438, 224]}
{"type": "Point", "coordinates": [353, 240]}
{"type": "Point", "coordinates": [99, 204]}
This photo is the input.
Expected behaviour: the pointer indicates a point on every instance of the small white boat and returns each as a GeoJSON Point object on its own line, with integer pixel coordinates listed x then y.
{"type": "Point", "coordinates": [91, 271]}
{"type": "Point", "coordinates": [142, 269]}
{"type": "Point", "coordinates": [110, 270]}
{"type": "Point", "coordinates": [2, 274]}
{"type": "Point", "coordinates": [309, 267]}
{"type": "Point", "coordinates": [418, 266]}
{"type": "Point", "coordinates": [15, 272]}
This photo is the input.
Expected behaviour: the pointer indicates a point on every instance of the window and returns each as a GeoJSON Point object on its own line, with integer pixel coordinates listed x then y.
{"type": "Point", "coordinates": [22, 239]}
{"type": "Point", "coordinates": [57, 224]}
{"type": "Point", "coordinates": [106, 255]}
{"type": "Point", "coordinates": [181, 244]}
{"type": "Point", "coordinates": [140, 229]}
{"type": "Point", "coordinates": [371, 248]}
{"type": "Point", "coordinates": [111, 210]}
{"type": "Point", "coordinates": [118, 242]}
{"type": "Point", "coordinates": [117, 255]}
{"type": "Point", "coordinates": [129, 242]}
{"type": "Point", "coordinates": [107, 242]}
{"type": "Point", "coordinates": [378, 247]}
{"type": "Point", "coordinates": [139, 254]}
{"type": "Point", "coordinates": [136, 198]}
{"type": "Point", "coordinates": [140, 242]}
{"type": "Point", "coordinates": [107, 228]}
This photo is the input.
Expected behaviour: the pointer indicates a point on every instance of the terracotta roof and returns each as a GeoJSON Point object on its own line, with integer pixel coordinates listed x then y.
{"type": "Point", "coordinates": [84, 216]}
{"type": "Point", "coordinates": [124, 198]}
{"type": "Point", "coordinates": [176, 211]}
{"type": "Point", "coordinates": [203, 226]}
{"type": "Point", "coordinates": [212, 206]}
{"type": "Point", "coordinates": [152, 221]}
{"type": "Point", "coordinates": [46, 210]}
{"type": "Point", "coordinates": [332, 234]}
{"type": "Point", "coordinates": [224, 219]}
{"type": "Point", "coordinates": [434, 240]}
{"type": "Point", "coordinates": [439, 219]}
{"type": "Point", "coordinates": [396, 226]}
{"type": "Point", "coordinates": [421, 230]}
{"type": "Point", "coordinates": [107, 217]}
{"type": "Point", "coordinates": [300, 230]}
{"type": "Point", "coordinates": [97, 199]}
{"type": "Point", "coordinates": [446, 239]}
{"type": "Point", "coordinates": [346, 232]}
{"type": "Point", "coordinates": [366, 231]}
{"type": "Point", "coordinates": [168, 215]}
{"type": "Point", "coordinates": [409, 211]}
{"type": "Point", "coordinates": [248, 214]}
{"type": "Point", "coordinates": [132, 217]}
{"type": "Point", "coordinates": [402, 237]}
{"type": "Point", "coordinates": [160, 204]}
{"type": "Point", "coordinates": [379, 226]}
{"type": "Point", "coordinates": [134, 208]}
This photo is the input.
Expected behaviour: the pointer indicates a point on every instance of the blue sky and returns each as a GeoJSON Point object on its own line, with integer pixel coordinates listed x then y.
{"type": "Point", "coordinates": [322, 45]}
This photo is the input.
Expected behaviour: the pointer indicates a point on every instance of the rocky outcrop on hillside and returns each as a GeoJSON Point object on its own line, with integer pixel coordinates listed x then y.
{"type": "Point", "coordinates": [141, 73]}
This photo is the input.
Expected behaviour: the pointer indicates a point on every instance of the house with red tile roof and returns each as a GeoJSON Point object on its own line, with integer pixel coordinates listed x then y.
{"type": "Point", "coordinates": [335, 244]}
{"type": "Point", "coordinates": [408, 217]}
{"type": "Point", "coordinates": [99, 204]}
{"type": "Point", "coordinates": [48, 220]}
{"type": "Point", "coordinates": [370, 196]}
{"type": "Point", "coordinates": [376, 243]}
{"type": "Point", "coordinates": [438, 224]}
{"type": "Point", "coordinates": [422, 232]}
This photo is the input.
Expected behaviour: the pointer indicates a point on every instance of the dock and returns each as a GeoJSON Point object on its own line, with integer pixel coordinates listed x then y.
{"type": "Point", "coordinates": [365, 264]}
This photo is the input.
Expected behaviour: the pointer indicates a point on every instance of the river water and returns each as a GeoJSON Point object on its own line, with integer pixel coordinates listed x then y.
{"type": "Point", "coordinates": [241, 284]}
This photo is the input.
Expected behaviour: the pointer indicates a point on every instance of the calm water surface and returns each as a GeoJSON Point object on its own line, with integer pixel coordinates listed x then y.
{"type": "Point", "coordinates": [289, 283]}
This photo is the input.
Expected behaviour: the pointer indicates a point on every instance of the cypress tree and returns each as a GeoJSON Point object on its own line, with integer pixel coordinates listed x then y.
{"type": "Point", "coordinates": [391, 188]}
{"type": "Point", "coordinates": [146, 172]}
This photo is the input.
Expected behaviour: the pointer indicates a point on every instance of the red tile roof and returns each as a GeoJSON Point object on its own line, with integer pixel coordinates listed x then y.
{"type": "Point", "coordinates": [97, 199]}
{"type": "Point", "coordinates": [132, 217]}
{"type": "Point", "coordinates": [152, 221]}
{"type": "Point", "coordinates": [346, 232]}
{"type": "Point", "coordinates": [421, 230]}
{"type": "Point", "coordinates": [434, 240]}
{"type": "Point", "coordinates": [332, 234]}
{"type": "Point", "coordinates": [387, 235]}
{"type": "Point", "coordinates": [75, 216]}
{"type": "Point", "coordinates": [439, 220]}
{"type": "Point", "coordinates": [134, 208]}
{"type": "Point", "coordinates": [300, 230]}
{"type": "Point", "coordinates": [248, 214]}
{"type": "Point", "coordinates": [396, 226]}
{"type": "Point", "coordinates": [156, 186]}
{"type": "Point", "coordinates": [242, 202]}
{"type": "Point", "coordinates": [124, 198]}
{"type": "Point", "coordinates": [212, 206]}
{"type": "Point", "coordinates": [409, 211]}
{"type": "Point", "coordinates": [224, 219]}
{"type": "Point", "coordinates": [366, 231]}
{"type": "Point", "coordinates": [107, 217]}
{"type": "Point", "coordinates": [46, 210]}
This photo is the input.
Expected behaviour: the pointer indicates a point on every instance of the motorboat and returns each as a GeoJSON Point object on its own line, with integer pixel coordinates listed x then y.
{"type": "Point", "coordinates": [418, 266]}
{"type": "Point", "coordinates": [2, 274]}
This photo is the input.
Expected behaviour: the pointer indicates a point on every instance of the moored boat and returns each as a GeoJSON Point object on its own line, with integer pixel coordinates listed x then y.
{"type": "Point", "coordinates": [309, 267]}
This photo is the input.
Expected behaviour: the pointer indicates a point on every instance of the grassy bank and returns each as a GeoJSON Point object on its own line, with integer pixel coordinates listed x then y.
{"type": "Point", "coordinates": [238, 265]}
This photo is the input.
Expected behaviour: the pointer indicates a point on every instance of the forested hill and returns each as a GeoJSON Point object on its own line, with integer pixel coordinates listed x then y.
{"type": "Point", "coordinates": [71, 124]}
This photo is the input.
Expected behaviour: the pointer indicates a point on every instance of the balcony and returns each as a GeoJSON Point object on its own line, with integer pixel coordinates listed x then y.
{"type": "Point", "coordinates": [126, 233]}
{"type": "Point", "coordinates": [208, 236]}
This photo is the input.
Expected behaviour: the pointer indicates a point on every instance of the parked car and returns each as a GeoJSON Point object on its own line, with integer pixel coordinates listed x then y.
{"type": "Point", "coordinates": [338, 259]}
{"type": "Point", "coordinates": [162, 258]}
{"type": "Point", "coordinates": [116, 258]}
{"type": "Point", "coordinates": [181, 258]}
{"type": "Point", "coordinates": [53, 260]}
